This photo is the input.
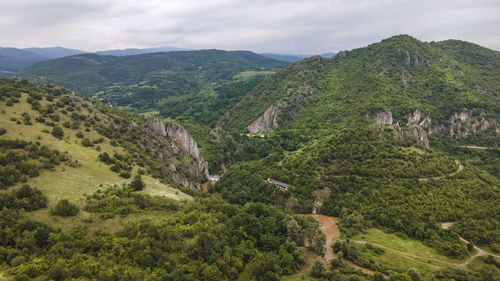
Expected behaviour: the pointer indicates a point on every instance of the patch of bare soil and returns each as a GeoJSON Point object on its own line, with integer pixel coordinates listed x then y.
{"type": "Point", "coordinates": [332, 232]}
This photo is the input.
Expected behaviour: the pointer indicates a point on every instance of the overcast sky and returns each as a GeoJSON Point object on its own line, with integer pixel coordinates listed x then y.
{"type": "Point", "coordinates": [281, 26]}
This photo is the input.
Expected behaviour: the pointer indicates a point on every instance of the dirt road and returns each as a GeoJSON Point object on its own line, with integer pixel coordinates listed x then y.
{"type": "Point", "coordinates": [459, 169]}
{"type": "Point", "coordinates": [480, 252]}
{"type": "Point", "coordinates": [331, 230]}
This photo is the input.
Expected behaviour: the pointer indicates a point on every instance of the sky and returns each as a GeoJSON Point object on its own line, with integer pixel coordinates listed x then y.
{"type": "Point", "coordinates": [279, 26]}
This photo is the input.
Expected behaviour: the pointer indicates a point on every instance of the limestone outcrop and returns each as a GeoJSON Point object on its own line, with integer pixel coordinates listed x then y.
{"type": "Point", "coordinates": [418, 127]}
{"type": "Point", "coordinates": [268, 120]}
{"type": "Point", "coordinates": [174, 145]}
{"type": "Point", "coordinates": [384, 118]}
{"type": "Point", "coordinates": [465, 123]}
{"type": "Point", "coordinates": [460, 125]}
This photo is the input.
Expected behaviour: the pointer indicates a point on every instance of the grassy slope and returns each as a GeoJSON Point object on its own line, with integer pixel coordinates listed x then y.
{"type": "Point", "coordinates": [400, 255]}
{"type": "Point", "coordinates": [68, 182]}
{"type": "Point", "coordinates": [403, 253]}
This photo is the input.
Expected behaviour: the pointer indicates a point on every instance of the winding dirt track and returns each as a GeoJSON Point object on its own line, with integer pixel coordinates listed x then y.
{"type": "Point", "coordinates": [331, 230]}
{"type": "Point", "coordinates": [328, 225]}
{"type": "Point", "coordinates": [480, 252]}
{"type": "Point", "coordinates": [476, 147]}
{"type": "Point", "coordinates": [459, 169]}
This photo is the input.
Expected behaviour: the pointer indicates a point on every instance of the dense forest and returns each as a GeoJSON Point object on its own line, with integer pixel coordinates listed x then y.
{"type": "Point", "coordinates": [165, 82]}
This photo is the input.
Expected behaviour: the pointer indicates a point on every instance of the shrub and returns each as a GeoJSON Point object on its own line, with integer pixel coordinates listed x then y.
{"type": "Point", "coordinates": [65, 209]}
{"type": "Point", "coordinates": [30, 198]}
{"type": "Point", "coordinates": [318, 268]}
{"type": "Point", "coordinates": [57, 132]}
{"type": "Point", "coordinates": [414, 274]}
{"type": "Point", "coordinates": [87, 143]}
{"type": "Point", "coordinates": [137, 183]}
{"type": "Point", "coordinates": [125, 174]}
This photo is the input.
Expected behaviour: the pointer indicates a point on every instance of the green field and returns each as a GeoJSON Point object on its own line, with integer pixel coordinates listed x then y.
{"type": "Point", "coordinates": [410, 246]}
{"type": "Point", "coordinates": [400, 254]}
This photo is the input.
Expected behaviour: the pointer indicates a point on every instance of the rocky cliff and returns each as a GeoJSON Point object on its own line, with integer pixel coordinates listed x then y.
{"type": "Point", "coordinates": [177, 149]}
{"type": "Point", "coordinates": [460, 125]}
{"type": "Point", "coordinates": [268, 120]}
{"type": "Point", "coordinates": [384, 118]}
{"type": "Point", "coordinates": [467, 122]}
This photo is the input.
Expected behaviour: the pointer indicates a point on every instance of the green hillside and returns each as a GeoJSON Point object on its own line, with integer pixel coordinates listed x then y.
{"type": "Point", "coordinates": [49, 134]}
{"type": "Point", "coordinates": [396, 141]}
{"type": "Point", "coordinates": [83, 197]}
{"type": "Point", "coordinates": [399, 74]}
{"type": "Point", "coordinates": [155, 81]}
{"type": "Point", "coordinates": [401, 134]}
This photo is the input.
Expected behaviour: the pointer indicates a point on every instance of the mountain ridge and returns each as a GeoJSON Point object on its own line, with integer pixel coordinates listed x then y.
{"type": "Point", "coordinates": [412, 58]}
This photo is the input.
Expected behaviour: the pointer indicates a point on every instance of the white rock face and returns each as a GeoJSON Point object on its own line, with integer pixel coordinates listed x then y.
{"type": "Point", "coordinates": [268, 120]}
{"type": "Point", "coordinates": [187, 145]}
{"type": "Point", "coordinates": [384, 118]}
{"type": "Point", "coordinates": [172, 143]}
{"type": "Point", "coordinates": [156, 126]}
{"type": "Point", "coordinates": [417, 126]}
{"type": "Point", "coordinates": [463, 124]}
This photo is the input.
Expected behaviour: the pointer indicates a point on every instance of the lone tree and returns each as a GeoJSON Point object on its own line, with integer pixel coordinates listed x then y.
{"type": "Point", "coordinates": [57, 132]}
{"type": "Point", "coordinates": [65, 209]}
{"type": "Point", "coordinates": [137, 184]}
{"type": "Point", "coordinates": [414, 274]}
{"type": "Point", "coordinates": [318, 268]}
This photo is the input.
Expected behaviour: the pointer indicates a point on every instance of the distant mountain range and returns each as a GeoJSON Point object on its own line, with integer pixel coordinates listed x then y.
{"type": "Point", "coordinates": [293, 57]}
{"type": "Point", "coordinates": [13, 60]}
{"type": "Point", "coordinates": [134, 51]}
{"type": "Point", "coordinates": [54, 52]}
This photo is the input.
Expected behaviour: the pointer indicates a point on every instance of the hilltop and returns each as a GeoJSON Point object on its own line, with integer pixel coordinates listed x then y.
{"type": "Point", "coordinates": [450, 83]}
{"type": "Point", "coordinates": [156, 81]}
{"type": "Point", "coordinates": [13, 60]}
{"type": "Point", "coordinates": [402, 134]}
{"type": "Point", "coordinates": [96, 146]}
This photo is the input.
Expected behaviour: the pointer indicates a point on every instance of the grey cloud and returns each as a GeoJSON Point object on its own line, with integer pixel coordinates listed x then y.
{"type": "Point", "coordinates": [287, 26]}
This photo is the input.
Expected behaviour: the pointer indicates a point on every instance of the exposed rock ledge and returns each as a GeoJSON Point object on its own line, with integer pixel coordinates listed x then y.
{"type": "Point", "coordinates": [171, 143]}
{"type": "Point", "coordinates": [461, 125]}
{"type": "Point", "coordinates": [268, 120]}
{"type": "Point", "coordinates": [415, 127]}
{"type": "Point", "coordinates": [467, 122]}
{"type": "Point", "coordinates": [384, 118]}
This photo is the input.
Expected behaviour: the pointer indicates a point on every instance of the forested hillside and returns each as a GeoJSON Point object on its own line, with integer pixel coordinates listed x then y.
{"type": "Point", "coordinates": [157, 81]}
{"type": "Point", "coordinates": [402, 134]}
{"type": "Point", "coordinates": [396, 141]}
{"type": "Point", "coordinates": [88, 192]}
{"type": "Point", "coordinates": [399, 74]}
{"type": "Point", "coordinates": [13, 60]}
